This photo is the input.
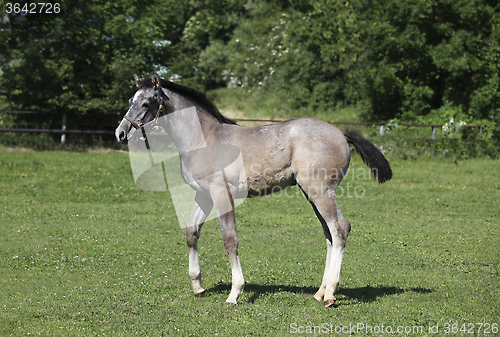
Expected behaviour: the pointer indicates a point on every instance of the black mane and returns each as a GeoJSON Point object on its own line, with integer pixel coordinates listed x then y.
{"type": "Point", "coordinates": [196, 96]}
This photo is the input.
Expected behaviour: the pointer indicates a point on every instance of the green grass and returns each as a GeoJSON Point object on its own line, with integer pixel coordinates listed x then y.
{"type": "Point", "coordinates": [85, 253]}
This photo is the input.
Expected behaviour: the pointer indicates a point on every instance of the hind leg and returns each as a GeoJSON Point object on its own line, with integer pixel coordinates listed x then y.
{"type": "Point", "coordinates": [201, 210]}
{"type": "Point", "coordinates": [321, 291]}
{"type": "Point", "coordinates": [336, 229]}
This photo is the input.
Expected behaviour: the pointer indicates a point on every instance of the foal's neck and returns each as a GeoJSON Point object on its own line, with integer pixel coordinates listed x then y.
{"type": "Point", "coordinates": [189, 125]}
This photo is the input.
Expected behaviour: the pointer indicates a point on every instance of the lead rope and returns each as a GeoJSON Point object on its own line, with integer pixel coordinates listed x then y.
{"type": "Point", "coordinates": [135, 125]}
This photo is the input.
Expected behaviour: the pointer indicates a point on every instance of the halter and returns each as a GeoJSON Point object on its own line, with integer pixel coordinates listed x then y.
{"type": "Point", "coordinates": [160, 98]}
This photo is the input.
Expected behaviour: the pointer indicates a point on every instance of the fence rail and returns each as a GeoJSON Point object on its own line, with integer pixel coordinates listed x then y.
{"type": "Point", "coordinates": [381, 124]}
{"type": "Point", "coordinates": [63, 131]}
{"type": "Point", "coordinates": [356, 123]}
{"type": "Point", "coordinates": [57, 131]}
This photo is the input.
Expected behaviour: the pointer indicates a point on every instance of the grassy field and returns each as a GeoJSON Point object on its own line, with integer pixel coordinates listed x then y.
{"type": "Point", "coordinates": [85, 253]}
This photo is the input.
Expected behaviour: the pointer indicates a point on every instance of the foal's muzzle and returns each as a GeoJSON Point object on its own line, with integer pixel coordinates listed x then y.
{"type": "Point", "coordinates": [123, 132]}
{"type": "Point", "coordinates": [121, 137]}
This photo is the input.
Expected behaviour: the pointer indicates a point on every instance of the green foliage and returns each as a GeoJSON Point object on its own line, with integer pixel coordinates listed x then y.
{"type": "Point", "coordinates": [278, 47]}
{"type": "Point", "coordinates": [208, 24]}
{"type": "Point", "coordinates": [82, 58]}
{"type": "Point", "coordinates": [454, 141]}
{"type": "Point", "coordinates": [417, 61]}
{"type": "Point", "coordinates": [404, 59]}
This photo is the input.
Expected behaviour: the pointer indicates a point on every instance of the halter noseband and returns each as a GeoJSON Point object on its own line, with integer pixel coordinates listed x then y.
{"type": "Point", "coordinates": [134, 124]}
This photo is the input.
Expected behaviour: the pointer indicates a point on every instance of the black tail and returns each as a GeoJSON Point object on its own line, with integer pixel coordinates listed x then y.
{"type": "Point", "coordinates": [372, 156]}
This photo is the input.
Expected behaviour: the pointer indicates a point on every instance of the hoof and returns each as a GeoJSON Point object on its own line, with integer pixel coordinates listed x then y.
{"type": "Point", "coordinates": [200, 294]}
{"type": "Point", "coordinates": [329, 303]}
{"type": "Point", "coordinates": [231, 304]}
{"type": "Point", "coordinates": [317, 299]}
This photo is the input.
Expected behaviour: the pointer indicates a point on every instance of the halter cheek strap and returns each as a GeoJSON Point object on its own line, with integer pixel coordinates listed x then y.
{"type": "Point", "coordinates": [160, 96]}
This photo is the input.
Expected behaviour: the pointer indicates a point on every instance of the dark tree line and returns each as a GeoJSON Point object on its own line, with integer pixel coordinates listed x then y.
{"type": "Point", "coordinates": [414, 60]}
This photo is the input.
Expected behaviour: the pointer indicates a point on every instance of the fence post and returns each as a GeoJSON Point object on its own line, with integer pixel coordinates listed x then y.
{"type": "Point", "coordinates": [63, 136]}
{"type": "Point", "coordinates": [381, 129]}
{"type": "Point", "coordinates": [433, 132]}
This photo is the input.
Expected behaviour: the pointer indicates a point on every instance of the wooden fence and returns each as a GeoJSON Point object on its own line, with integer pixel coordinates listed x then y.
{"type": "Point", "coordinates": [63, 131]}
{"type": "Point", "coordinates": [382, 125]}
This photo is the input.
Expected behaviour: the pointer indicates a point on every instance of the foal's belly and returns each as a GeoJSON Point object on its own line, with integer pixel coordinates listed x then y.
{"type": "Point", "coordinates": [269, 182]}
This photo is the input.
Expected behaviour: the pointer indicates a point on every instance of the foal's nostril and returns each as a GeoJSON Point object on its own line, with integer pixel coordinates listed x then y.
{"type": "Point", "coordinates": [122, 136]}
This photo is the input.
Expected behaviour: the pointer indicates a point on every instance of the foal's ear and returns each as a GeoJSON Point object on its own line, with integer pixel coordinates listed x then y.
{"type": "Point", "coordinates": [156, 80]}
{"type": "Point", "coordinates": [137, 80]}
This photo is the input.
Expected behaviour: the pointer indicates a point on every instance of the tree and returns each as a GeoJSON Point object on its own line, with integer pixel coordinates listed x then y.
{"type": "Point", "coordinates": [82, 58]}
{"type": "Point", "coordinates": [209, 22]}
{"type": "Point", "coordinates": [410, 59]}
{"type": "Point", "coordinates": [422, 55]}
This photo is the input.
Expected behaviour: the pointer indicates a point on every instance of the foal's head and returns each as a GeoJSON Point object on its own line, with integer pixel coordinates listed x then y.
{"type": "Point", "coordinates": [144, 106]}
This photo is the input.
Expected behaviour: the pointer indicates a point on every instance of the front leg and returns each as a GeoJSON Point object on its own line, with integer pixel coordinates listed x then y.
{"type": "Point", "coordinates": [224, 205]}
{"type": "Point", "coordinates": [230, 239]}
{"type": "Point", "coordinates": [201, 210]}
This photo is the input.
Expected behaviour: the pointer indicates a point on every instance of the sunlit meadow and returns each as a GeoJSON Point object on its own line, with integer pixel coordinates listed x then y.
{"type": "Point", "coordinates": [83, 252]}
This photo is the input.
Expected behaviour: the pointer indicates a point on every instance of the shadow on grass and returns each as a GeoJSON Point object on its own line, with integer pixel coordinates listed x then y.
{"type": "Point", "coordinates": [369, 294]}
{"type": "Point", "coordinates": [360, 295]}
